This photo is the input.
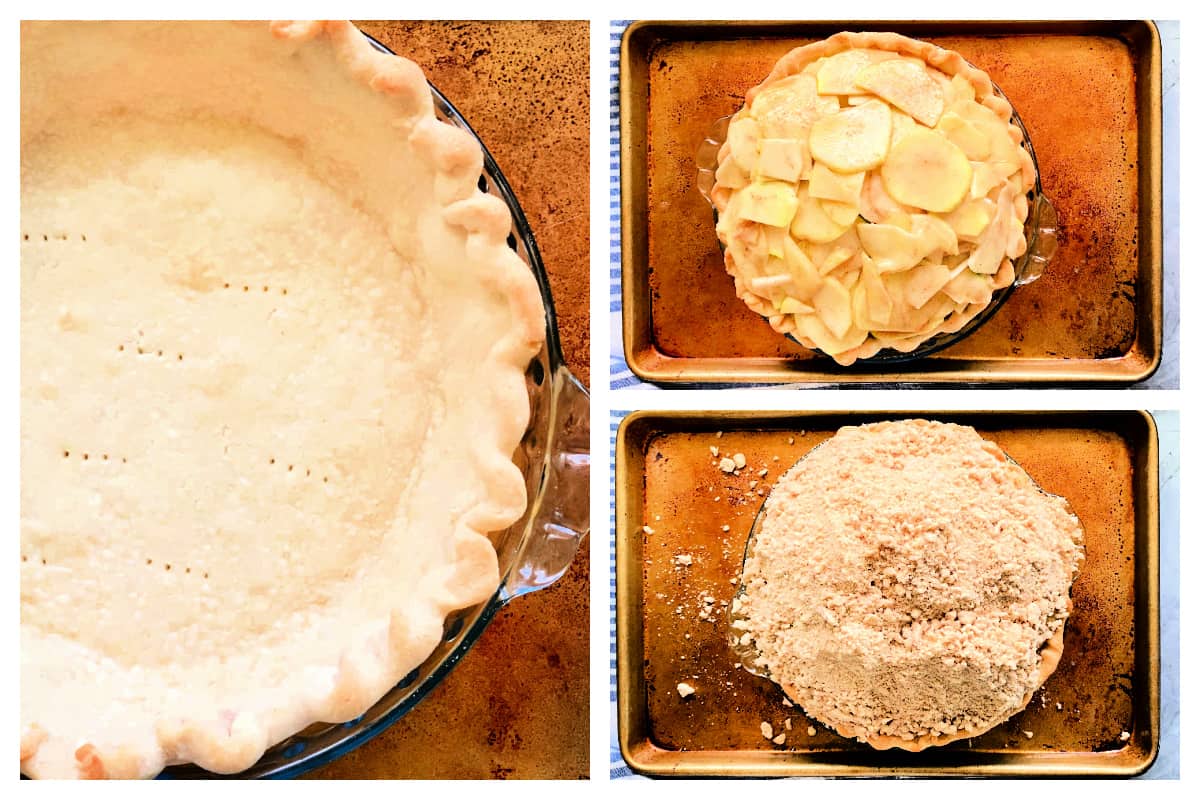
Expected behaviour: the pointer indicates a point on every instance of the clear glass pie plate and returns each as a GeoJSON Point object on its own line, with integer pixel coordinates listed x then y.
{"type": "Point", "coordinates": [533, 553]}
{"type": "Point", "coordinates": [1041, 231]}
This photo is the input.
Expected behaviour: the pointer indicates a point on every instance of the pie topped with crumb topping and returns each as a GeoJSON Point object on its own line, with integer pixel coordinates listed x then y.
{"type": "Point", "coordinates": [908, 584]}
{"type": "Point", "coordinates": [272, 356]}
{"type": "Point", "coordinates": [871, 193]}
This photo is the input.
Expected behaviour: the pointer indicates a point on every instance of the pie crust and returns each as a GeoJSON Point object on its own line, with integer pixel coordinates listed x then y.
{"type": "Point", "coordinates": [908, 584]}
{"type": "Point", "coordinates": [871, 193]}
{"type": "Point", "coordinates": [273, 353]}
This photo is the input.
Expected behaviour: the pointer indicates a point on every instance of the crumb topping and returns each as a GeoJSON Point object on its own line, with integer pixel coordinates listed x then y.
{"type": "Point", "coordinates": [904, 579]}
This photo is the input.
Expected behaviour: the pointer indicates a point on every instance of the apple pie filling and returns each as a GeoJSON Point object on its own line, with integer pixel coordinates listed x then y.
{"type": "Point", "coordinates": [871, 193]}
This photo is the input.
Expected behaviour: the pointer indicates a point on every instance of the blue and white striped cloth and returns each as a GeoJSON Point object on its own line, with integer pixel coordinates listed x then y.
{"type": "Point", "coordinates": [617, 766]}
{"type": "Point", "coordinates": [619, 374]}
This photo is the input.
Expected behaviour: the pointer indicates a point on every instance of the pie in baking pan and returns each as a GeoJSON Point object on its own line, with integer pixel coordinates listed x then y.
{"type": "Point", "coordinates": [872, 193]}
{"type": "Point", "coordinates": [273, 348]}
{"type": "Point", "coordinates": [908, 584]}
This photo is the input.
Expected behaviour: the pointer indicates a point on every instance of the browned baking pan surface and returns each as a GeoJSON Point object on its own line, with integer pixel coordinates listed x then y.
{"type": "Point", "coordinates": [1090, 96]}
{"type": "Point", "coordinates": [1104, 463]}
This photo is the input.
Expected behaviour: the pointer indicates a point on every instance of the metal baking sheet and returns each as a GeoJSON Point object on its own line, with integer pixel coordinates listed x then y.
{"type": "Point", "coordinates": [1090, 94]}
{"type": "Point", "coordinates": [1104, 463]}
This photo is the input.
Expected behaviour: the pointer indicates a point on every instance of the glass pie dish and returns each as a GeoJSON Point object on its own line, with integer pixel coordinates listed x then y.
{"type": "Point", "coordinates": [1041, 225]}
{"type": "Point", "coordinates": [533, 552]}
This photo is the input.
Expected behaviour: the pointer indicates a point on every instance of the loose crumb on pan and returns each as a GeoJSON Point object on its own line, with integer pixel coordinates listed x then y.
{"type": "Point", "coordinates": [780, 739]}
{"type": "Point", "coordinates": [1125, 736]}
{"type": "Point", "coordinates": [904, 579]}
{"type": "Point", "coordinates": [683, 559]}
{"type": "Point", "coordinates": [812, 731]}
{"type": "Point", "coordinates": [765, 727]}
{"type": "Point", "coordinates": [685, 689]}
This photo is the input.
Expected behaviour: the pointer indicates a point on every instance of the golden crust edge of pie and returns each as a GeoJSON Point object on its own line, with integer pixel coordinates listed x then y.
{"type": "Point", "coordinates": [1050, 652]}
{"type": "Point", "coordinates": [484, 222]}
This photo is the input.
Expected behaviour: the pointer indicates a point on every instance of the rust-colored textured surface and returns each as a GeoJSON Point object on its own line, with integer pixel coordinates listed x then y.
{"type": "Point", "coordinates": [688, 500]}
{"type": "Point", "coordinates": [1076, 95]}
{"type": "Point", "coordinates": [517, 705]}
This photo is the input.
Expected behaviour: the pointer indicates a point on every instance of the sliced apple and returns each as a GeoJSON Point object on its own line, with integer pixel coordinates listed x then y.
{"type": "Point", "coordinates": [902, 125]}
{"type": "Point", "coordinates": [923, 281]}
{"type": "Point", "coordinates": [908, 86]}
{"type": "Point", "coordinates": [968, 137]}
{"type": "Point", "coordinates": [775, 239]}
{"type": "Point", "coordinates": [1003, 149]}
{"type": "Point", "coordinates": [837, 257]}
{"type": "Point", "coordinates": [811, 327]}
{"type": "Point", "coordinates": [783, 159]}
{"type": "Point", "coordinates": [961, 91]}
{"type": "Point", "coordinates": [730, 174]}
{"type": "Point", "coordinates": [843, 214]}
{"type": "Point", "coordinates": [787, 108]}
{"type": "Point", "coordinates": [926, 170]}
{"type": "Point", "coordinates": [934, 235]}
{"type": "Point", "coordinates": [968, 287]}
{"type": "Point", "coordinates": [985, 177]}
{"type": "Point", "coordinates": [825, 184]}
{"type": "Point", "coordinates": [811, 223]}
{"type": "Point", "coordinates": [746, 242]}
{"type": "Point", "coordinates": [906, 319]}
{"type": "Point", "coordinates": [971, 217]}
{"type": "Point", "coordinates": [770, 202]}
{"type": "Point", "coordinates": [892, 248]}
{"type": "Point", "coordinates": [858, 307]}
{"type": "Point", "coordinates": [875, 204]}
{"type": "Point", "coordinates": [989, 250]}
{"type": "Point", "coordinates": [791, 305]}
{"type": "Point", "coordinates": [832, 303]}
{"type": "Point", "coordinates": [854, 139]}
{"type": "Point", "coordinates": [901, 220]}
{"type": "Point", "coordinates": [805, 277]}
{"type": "Point", "coordinates": [837, 72]}
{"type": "Point", "coordinates": [829, 255]}
{"type": "Point", "coordinates": [742, 136]}
{"type": "Point", "coordinates": [879, 302]}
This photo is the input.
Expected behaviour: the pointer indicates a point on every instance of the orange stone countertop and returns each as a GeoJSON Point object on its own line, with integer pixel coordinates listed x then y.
{"type": "Point", "coordinates": [516, 706]}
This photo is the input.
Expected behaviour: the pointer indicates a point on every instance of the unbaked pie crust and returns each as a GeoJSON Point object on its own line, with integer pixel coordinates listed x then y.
{"type": "Point", "coordinates": [273, 347]}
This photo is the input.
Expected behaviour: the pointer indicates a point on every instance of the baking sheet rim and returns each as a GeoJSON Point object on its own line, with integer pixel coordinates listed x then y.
{"type": "Point", "coordinates": [631, 682]}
